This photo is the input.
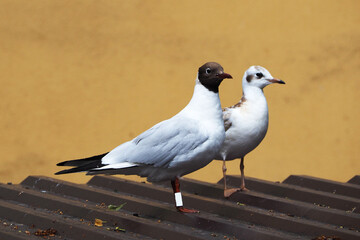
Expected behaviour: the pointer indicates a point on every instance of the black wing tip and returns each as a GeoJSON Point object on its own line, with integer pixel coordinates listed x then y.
{"type": "Point", "coordinates": [61, 172]}
{"type": "Point", "coordinates": [82, 161]}
{"type": "Point", "coordinates": [71, 170]}
{"type": "Point", "coordinates": [61, 163]}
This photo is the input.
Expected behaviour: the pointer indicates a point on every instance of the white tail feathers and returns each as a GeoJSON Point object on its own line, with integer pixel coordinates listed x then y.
{"type": "Point", "coordinates": [117, 166]}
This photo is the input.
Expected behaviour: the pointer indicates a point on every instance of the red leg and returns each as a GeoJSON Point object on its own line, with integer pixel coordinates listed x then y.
{"type": "Point", "coordinates": [178, 199]}
{"type": "Point", "coordinates": [175, 185]}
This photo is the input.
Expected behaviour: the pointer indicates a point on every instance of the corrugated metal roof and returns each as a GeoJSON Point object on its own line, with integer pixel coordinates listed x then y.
{"type": "Point", "coordinates": [300, 207]}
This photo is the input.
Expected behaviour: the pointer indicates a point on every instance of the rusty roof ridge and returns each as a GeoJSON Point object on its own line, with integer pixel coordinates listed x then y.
{"type": "Point", "coordinates": [354, 180]}
{"type": "Point", "coordinates": [275, 203]}
{"type": "Point", "coordinates": [112, 181]}
{"type": "Point", "coordinates": [325, 185]}
{"type": "Point", "coordinates": [27, 216]}
{"type": "Point", "coordinates": [298, 193]}
{"type": "Point", "coordinates": [40, 182]}
{"type": "Point", "coordinates": [10, 230]}
{"type": "Point", "coordinates": [56, 203]}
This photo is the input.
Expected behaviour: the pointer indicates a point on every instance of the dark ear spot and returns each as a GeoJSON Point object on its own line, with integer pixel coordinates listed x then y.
{"type": "Point", "coordinates": [249, 78]}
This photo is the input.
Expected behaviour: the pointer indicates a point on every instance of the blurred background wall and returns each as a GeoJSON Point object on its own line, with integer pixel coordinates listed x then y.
{"type": "Point", "coordinates": [80, 77]}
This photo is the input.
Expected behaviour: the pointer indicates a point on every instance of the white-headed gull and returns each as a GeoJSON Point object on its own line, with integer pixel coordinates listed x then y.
{"type": "Point", "coordinates": [246, 122]}
{"type": "Point", "coordinates": [174, 147]}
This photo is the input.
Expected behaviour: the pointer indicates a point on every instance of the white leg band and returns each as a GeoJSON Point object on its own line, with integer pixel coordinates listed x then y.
{"type": "Point", "coordinates": [178, 199]}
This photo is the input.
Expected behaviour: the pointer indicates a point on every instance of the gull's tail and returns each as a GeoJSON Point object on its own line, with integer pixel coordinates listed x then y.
{"type": "Point", "coordinates": [81, 165]}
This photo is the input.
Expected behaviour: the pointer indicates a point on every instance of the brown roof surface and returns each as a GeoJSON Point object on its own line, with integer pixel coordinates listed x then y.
{"type": "Point", "coordinates": [301, 207]}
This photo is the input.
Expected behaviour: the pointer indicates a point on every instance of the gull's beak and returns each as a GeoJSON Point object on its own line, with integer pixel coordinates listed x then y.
{"type": "Point", "coordinates": [275, 80]}
{"type": "Point", "coordinates": [224, 75]}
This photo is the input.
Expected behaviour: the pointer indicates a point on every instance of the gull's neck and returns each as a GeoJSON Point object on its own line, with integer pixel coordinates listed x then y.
{"type": "Point", "coordinates": [254, 94]}
{"type": "Point", "coordinates": [254, 101]}
{"type": "Point", "coordinates": [204, 102]}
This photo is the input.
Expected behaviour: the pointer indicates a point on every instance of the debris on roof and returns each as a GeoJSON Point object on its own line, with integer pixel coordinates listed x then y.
{"type": "Point", "coordinates": [301, 207]}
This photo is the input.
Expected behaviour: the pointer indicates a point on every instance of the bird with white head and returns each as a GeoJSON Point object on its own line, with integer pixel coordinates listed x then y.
{"type": "Point", "coordinates": [246, 122]}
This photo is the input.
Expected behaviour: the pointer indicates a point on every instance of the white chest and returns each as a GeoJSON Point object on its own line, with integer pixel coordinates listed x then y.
{"type": "Point", "coordinates": [249, 124]}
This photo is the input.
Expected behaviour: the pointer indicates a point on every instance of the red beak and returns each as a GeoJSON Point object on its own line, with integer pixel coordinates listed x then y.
{"type": "Point", "coordinates": [224, 75]}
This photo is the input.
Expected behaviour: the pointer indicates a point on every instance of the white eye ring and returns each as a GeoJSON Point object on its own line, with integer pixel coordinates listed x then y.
{"type": "Point", "coordinates": [208, 70]}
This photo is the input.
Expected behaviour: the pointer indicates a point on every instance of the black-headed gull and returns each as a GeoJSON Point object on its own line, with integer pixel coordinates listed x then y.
{"type": "Point", "coordinates": [174, 147]}
{"type": "Point", "coordinates": [246, 122]}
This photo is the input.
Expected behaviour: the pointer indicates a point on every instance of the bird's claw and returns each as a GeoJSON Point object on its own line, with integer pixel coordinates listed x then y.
{"type": "Point", "coordinates": [244, 189]}
{"type": "Point", "coordinates": [228, 192]}
{"type": "Point", "coordinates": [186, 210]}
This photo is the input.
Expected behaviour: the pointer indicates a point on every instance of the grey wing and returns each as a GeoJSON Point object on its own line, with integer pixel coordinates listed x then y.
{"type": "Point", "coordinates": [166, 142]}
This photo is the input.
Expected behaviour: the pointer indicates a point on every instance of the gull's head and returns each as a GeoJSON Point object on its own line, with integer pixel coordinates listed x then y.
{"type": "Point", "coordinates": [211, 74]}
{"type": "Point", "coordinates": [258, 76]}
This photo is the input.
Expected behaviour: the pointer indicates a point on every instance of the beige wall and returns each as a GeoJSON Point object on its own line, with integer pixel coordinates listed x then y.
{"type": "Point", "coordinates": [80, 77]}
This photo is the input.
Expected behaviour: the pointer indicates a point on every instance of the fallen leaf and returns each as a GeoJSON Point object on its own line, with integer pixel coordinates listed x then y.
{"type": "Point", "coordinates": [98, 222]}
{"type": "Point", "coordinates": [48, 232]}
{"type": "Point", "coordinates": [115, 207]}
{"type": "Point", "coordinates": [120, 229]}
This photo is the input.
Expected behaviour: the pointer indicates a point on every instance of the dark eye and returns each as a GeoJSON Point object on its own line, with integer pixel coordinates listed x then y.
{"type": "Point", "coordinates": [259, 75]}
{"type": "Point", "coordinates": [208, 70]}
